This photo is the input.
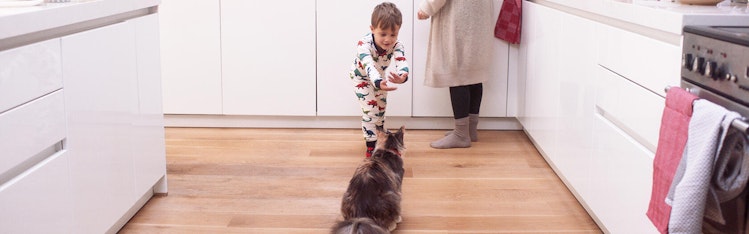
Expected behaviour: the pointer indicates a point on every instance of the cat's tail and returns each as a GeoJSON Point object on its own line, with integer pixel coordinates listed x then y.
{"type": "Point", "coordinates": [358, 225]}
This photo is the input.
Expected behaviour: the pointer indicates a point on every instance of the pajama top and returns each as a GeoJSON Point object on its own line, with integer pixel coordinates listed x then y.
{"type": "Point", "coordinates": [370, 62]}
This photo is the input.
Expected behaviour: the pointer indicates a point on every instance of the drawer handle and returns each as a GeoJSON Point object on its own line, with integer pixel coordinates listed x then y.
{"type": "Point", "coordinates": [619, 126]}
{"type": "Point", "coordinates": [25, 167]}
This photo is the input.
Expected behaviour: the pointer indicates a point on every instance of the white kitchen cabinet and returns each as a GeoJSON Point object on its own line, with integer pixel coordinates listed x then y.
{"type": "Point", "coordinates": [268, 57]}
{"type": "Point", "coordinates": [298, 65]}
{"type": "Point", "coordinates": [596, 128]}
{"type": "Point", "coordinates": [191, 56]}
{"type": "Point", "coordinates": [115, 140]}
{"type": "Point", "coordinates": [99, 68]}
{"type": "Point", "coordinates": [81, 119]}
{"type": "Point", "coordinates": [340, 24]}
{"type": "Point", "coordinates": [435, 102]}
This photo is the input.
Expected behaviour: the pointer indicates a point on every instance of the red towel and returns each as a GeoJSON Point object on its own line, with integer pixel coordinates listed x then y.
{"type": "Point", "coordinates": [508, 22]}
{"type": "Point", "coordinates": [671, 142]}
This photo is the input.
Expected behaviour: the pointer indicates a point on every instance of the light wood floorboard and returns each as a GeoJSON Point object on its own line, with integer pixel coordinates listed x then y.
{"type": "Point", "coordinates": [291, 181]}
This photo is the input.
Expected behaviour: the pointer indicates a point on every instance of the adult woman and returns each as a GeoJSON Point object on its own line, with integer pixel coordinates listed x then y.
{"type": "Point", "coordinates": [458, 57]}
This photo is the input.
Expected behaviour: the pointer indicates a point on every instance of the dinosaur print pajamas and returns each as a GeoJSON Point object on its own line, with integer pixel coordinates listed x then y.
{"type": "Point", "coordinates": [367, 71]}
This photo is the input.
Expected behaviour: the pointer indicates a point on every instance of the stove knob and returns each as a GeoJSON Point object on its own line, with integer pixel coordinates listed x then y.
{"type": "Point", "coordinates": [698, 65]}
{"type": "Point", "coordinates": [731, 77]}
{"type": "Point", "coordinates": [686, 61]}
{"type": "Point", "coordinates": [710, 69]}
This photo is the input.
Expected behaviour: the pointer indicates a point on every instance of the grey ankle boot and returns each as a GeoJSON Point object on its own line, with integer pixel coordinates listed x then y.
{"type": "Point", "coordinates": [458, 139]}
{"type": "Point", "coordinates": [473, 122]}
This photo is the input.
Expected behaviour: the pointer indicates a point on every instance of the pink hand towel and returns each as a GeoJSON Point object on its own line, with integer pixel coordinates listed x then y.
{"type": "Point", "coordinates": [671, 142]}
{"type": "Point", "coordinates": [509, 21]}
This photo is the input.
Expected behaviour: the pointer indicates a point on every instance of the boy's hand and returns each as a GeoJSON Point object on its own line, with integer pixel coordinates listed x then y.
{"type": "Point", "coordinates": [384, 86]}
{"type": "Point", "coordinates": [395, 78]}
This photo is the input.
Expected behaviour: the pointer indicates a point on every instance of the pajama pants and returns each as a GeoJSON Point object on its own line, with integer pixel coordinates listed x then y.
{"type": "Point", "coordinates": [373, 103]}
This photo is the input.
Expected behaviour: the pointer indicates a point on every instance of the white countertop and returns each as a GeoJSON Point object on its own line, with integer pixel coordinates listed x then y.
{"type": "Point", "coordinates": [666, 16]}
{"type": "Point", "coordinates": [18, 21]}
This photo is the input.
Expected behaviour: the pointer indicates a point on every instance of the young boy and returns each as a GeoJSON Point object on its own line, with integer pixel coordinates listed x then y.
{"type": "Point", "coordinates": [374, 54]}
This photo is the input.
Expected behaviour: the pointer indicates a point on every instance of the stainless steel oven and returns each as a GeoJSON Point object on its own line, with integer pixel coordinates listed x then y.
{"type": "Point", "coordinates": [715, 66]}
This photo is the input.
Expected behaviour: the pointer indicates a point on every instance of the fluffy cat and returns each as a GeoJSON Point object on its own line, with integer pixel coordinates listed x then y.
{"type": "Point", "coordinates": [374, 192]}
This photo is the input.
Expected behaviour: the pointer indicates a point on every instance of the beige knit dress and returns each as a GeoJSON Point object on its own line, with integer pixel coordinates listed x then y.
{"type": "Point", "coordinates": [460, 42]}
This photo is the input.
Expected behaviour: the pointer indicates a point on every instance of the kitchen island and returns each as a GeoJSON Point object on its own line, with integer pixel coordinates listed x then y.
{"type": "Point", "coordinates": [80, 115]}
{"type": "Point", "coordinates": [593, 74]}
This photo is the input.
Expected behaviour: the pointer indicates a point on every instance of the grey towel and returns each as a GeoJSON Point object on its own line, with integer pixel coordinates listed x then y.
{"type": "Point", "coordinates": [729, 178]}
{"type": "Point", "coordinates": [689, 191]}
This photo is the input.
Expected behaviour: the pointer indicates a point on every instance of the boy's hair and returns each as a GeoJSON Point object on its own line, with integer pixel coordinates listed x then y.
{"type": "Point", "coordinates": [386, 16]}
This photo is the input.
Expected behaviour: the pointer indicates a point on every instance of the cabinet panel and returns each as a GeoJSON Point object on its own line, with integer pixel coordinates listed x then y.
{"type": "Point", "coordinates": [268, 57]}
{"type": "Point", "coordinates": [39, 200]}
{"type": "Point", "coordinates": [29, 72]}
{"type": "Point", "coordinates": [540, 112]}
{"type": "Point", "coordinates": [340, 24]}
{"type": "Point", "coordinates": [191, 56]}
{"type": "Point", "coordinates": [430, 101]}
{"type": "Point", "coordinates": [100, 73]}
{"type": "Point", "coordinates": [149, 153]}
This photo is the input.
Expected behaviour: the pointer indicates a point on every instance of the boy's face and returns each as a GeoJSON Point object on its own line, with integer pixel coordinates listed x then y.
{"type": "Point", "coordinates": [385, 38]}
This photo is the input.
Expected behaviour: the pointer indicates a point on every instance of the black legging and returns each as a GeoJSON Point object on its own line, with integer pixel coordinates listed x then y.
{"type": "Point", "coordinates": [466, 99]}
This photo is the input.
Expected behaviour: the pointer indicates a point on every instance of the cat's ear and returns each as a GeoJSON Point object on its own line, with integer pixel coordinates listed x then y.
{"type": "Point", "coordinates": [400, 133]}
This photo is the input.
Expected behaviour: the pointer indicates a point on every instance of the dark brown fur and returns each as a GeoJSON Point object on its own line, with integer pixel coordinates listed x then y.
{"type": "Point", "coordinates": [374, 191]}
{"type": "Point", "coordinates": [358, 226]}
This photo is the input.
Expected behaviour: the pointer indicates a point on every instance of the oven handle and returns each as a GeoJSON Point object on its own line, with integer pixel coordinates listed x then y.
{"type": "Point", "coordinates": [739, 124]}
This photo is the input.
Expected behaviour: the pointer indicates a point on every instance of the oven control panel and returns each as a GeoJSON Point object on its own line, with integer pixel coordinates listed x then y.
{"type": "Point", "coordinates": [717, 65]}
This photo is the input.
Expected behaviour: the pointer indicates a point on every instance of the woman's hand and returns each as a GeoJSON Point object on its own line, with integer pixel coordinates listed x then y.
{"type": "Point", "coordinates": [422, 15]}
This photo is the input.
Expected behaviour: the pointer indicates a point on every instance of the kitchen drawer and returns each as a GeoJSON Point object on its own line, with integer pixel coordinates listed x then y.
{"type": "Point", "coordinates": [28, 130]}
{"type": "Point", "coordinates": [29, 72]}
{"type": "Point", "coordinates": [650, 63]}
{"type": "Point", "coordinates": [40, 199]}
{"type": "Point", "coordinates": [620, 180]}
{"type": "Point", "coordinates": [634, 109]}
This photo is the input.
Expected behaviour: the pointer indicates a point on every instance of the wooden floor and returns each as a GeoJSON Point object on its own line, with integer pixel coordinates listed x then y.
{"type": "Point", "coordinates": [291, 181]}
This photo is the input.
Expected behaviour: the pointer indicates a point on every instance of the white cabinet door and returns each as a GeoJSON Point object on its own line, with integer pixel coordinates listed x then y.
{"type": "Point", "coordinates": [574, 83]}
{"type": "Point", "coordinates": [39, 200]}
{"type": "Point", "coordinates": [99, 70]}
{"type": "Point", "coordinates": [191, 56]}
{"type": "Point", "coordinates": [149, 153]}
{"type": "Point", "coordinates": [430, 101]}
{"type": "Point", "coordinates": [559, 102]}
{"type": "Point", "coordinates": [540, 112]}
{"type": "Point", "coordinates": [621, 173]}
{"type": "Point", "coordinates": [268, 57]}
{"type": "Point", "coordinates": [340, 24]}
